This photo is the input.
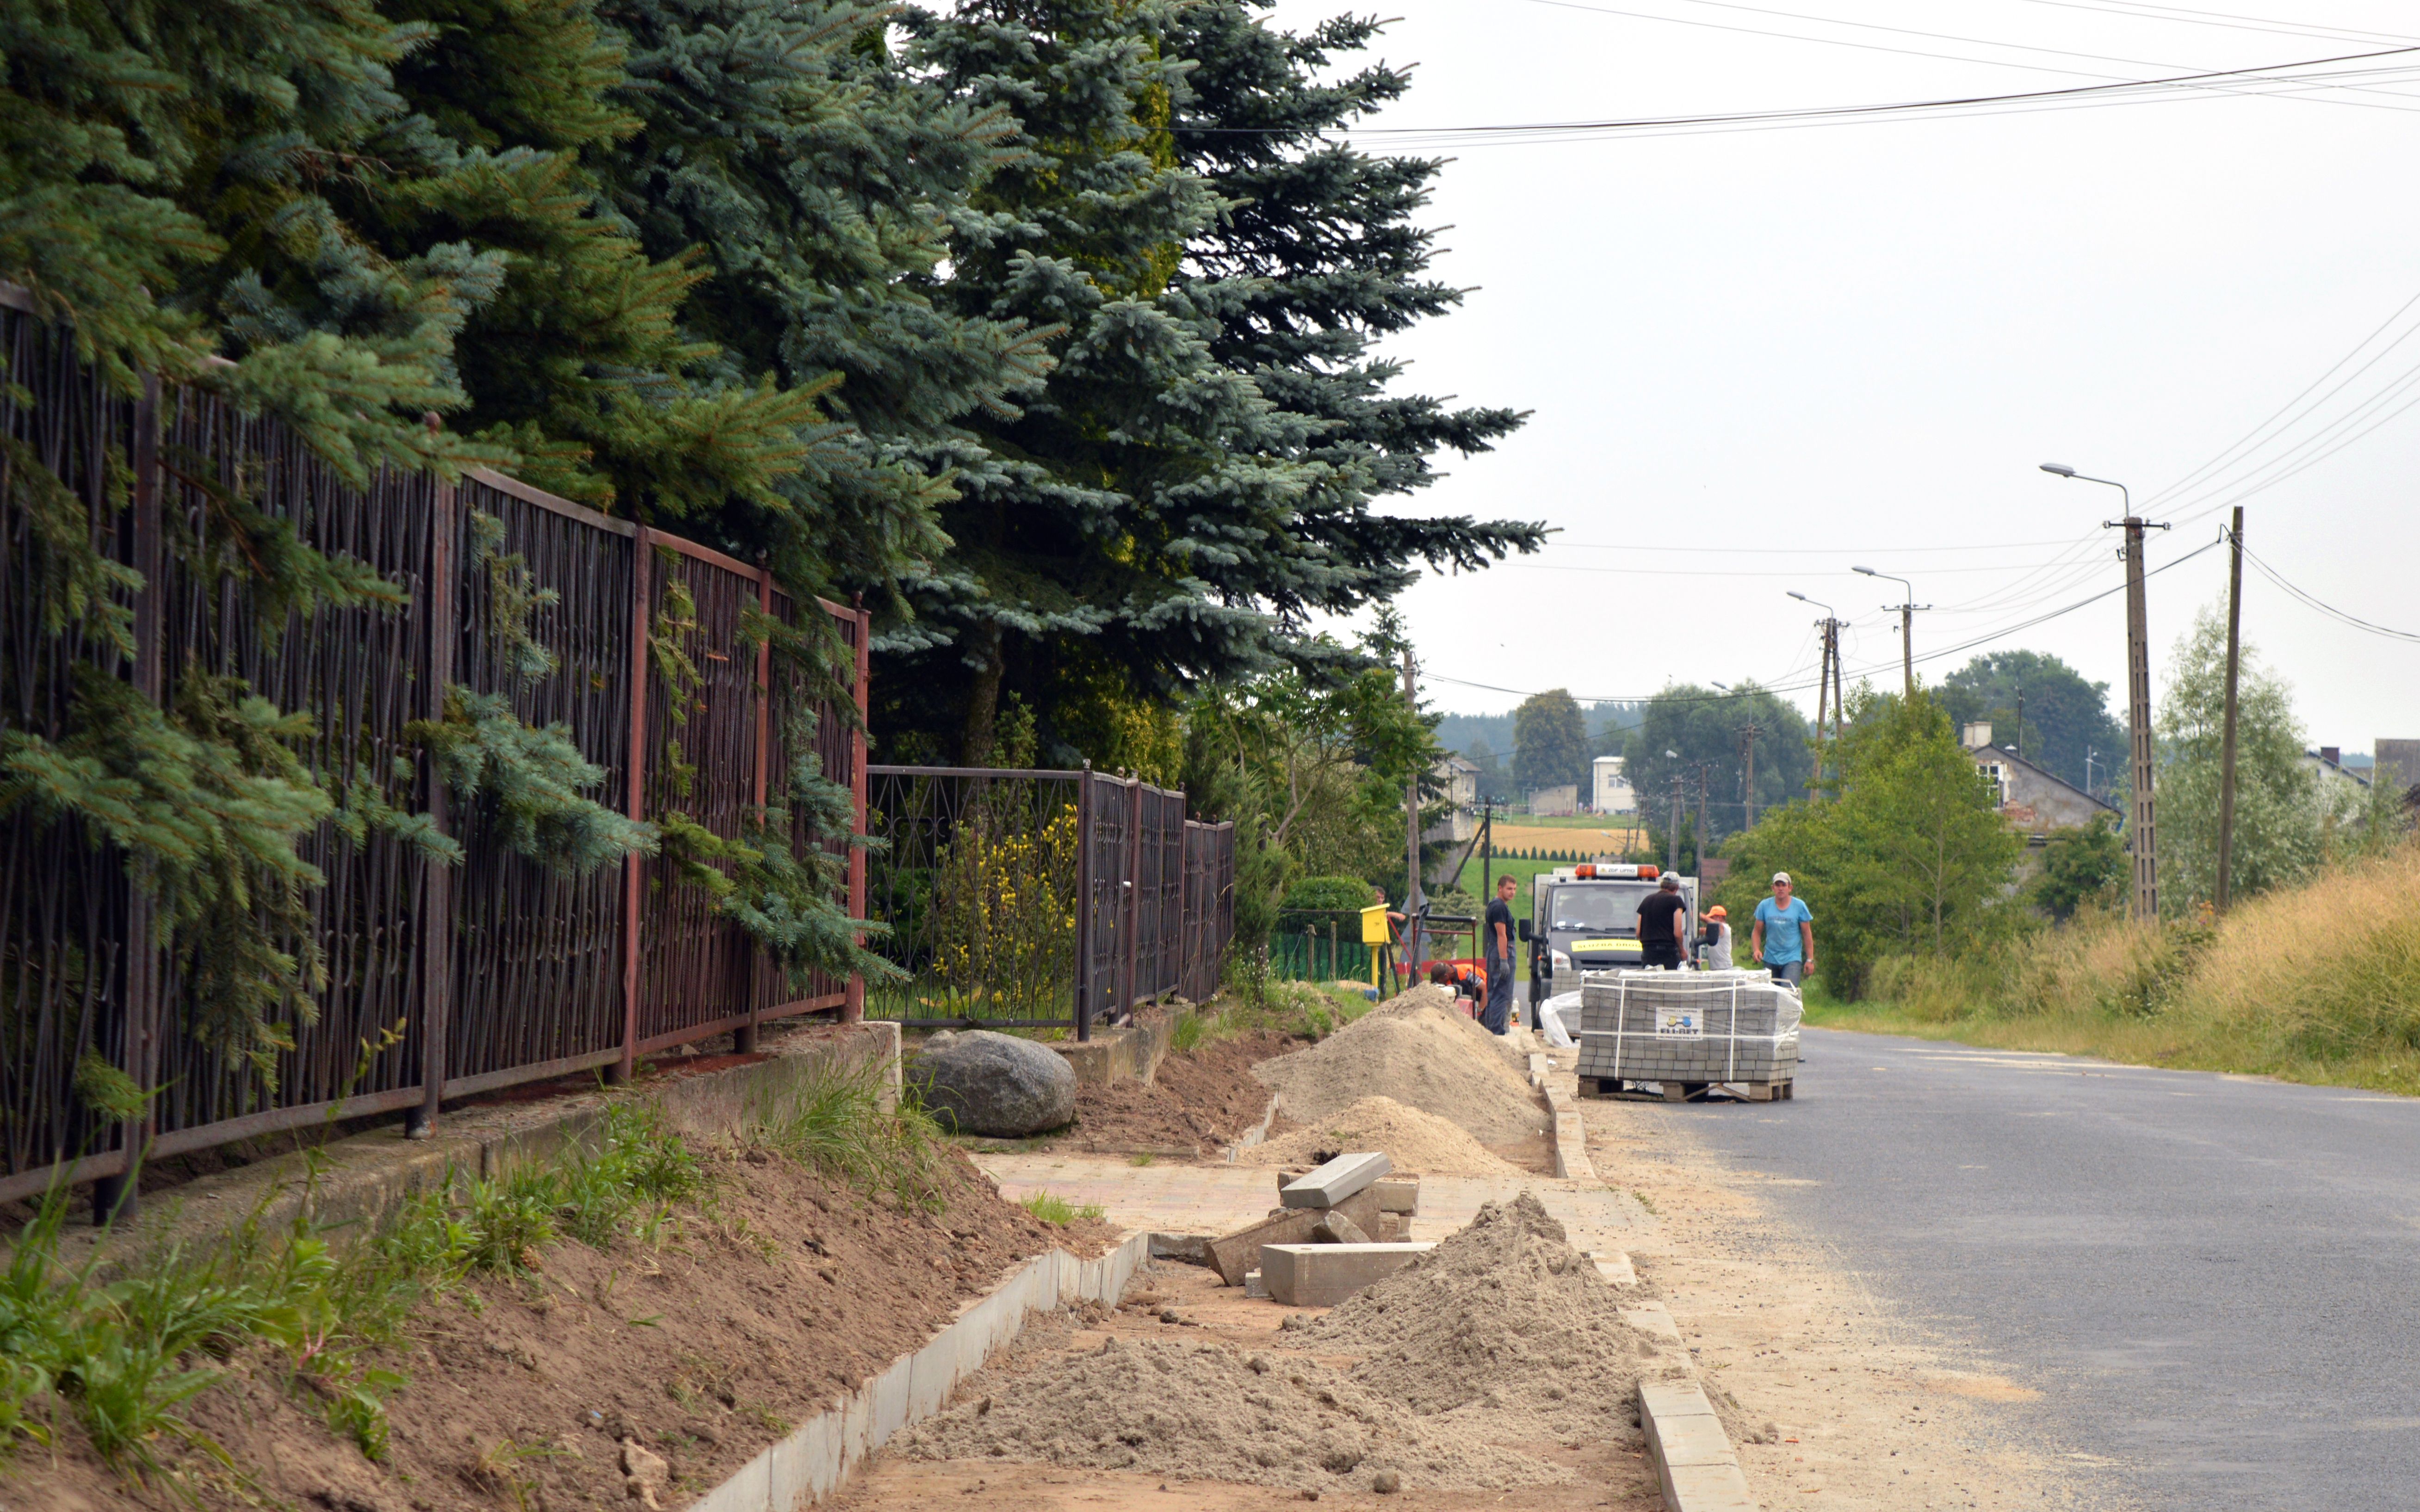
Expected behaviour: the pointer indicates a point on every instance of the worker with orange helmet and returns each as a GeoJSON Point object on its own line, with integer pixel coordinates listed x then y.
{"type": "Point", "coordinates": [1715, 940]}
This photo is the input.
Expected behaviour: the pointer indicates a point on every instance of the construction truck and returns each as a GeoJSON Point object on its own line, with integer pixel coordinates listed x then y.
{"type": "Point", "coordinates": [1584, 918]}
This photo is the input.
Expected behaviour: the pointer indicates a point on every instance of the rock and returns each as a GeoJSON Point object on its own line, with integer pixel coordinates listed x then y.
{"type": "Point", "coordinates": [1336, 1229]}
{"type": "Point", "coordinates": [997, 1085]}
{"type": "Point", "coordinates": [645, 1474]}
{"type": "Point", "coordinates": [1386, 1483]}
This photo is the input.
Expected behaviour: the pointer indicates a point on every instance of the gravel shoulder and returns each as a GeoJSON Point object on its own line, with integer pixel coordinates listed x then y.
{"type": "Point", "coordinates": [1870, 1412]}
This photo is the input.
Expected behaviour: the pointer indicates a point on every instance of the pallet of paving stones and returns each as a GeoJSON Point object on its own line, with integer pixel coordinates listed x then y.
{"type": "Point", "coordinates": [1680, 1030]}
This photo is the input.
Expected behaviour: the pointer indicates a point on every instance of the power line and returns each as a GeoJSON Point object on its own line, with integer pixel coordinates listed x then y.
{"type": "Point", "coordinates": [2218, 17]}
{"type": "Point", "coordinates": [2328, 610]}
{"type": "Point", "coordinates": [1801, 687]}
{"type": "Point", "coordinates": [1747, 572]}
{"type": "Point", "coordinates": [1802, 551]}
{"type": "Point", "coordinates": [2079, 95]}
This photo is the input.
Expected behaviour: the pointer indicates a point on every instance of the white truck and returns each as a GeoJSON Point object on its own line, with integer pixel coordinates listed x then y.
{"type": "Point", "coordinates": [1584, 918]}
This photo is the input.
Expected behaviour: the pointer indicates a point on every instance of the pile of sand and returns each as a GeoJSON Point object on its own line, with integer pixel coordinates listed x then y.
{"type": "Point", "coordinates": [1417, 1143]}
{"type": "Point", "coordinates": [1211, 1411]}
{"type": "Point", "coordinates": [1503, 1327]}
{"type": "Point", "coordinates": [1422, 1056]}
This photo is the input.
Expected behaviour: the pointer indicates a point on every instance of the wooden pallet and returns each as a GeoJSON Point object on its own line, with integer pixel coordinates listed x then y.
{"type": "Point", "coordinates": [1636, 1091]}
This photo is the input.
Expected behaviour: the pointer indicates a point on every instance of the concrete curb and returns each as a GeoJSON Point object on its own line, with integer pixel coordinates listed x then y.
{"type": "Point", "coordinates": [1571, 1138]}
{"type": "Point", "coordinates": [815, 1458]}
{"type": "Point", "coordinates": [1257, 1133]}
{"type": "Point", "coordinates": [1694, 1458]}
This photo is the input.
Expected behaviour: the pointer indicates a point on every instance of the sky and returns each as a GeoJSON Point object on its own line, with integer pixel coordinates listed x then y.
{"type": "Point", "coordinates": [1758, 358]}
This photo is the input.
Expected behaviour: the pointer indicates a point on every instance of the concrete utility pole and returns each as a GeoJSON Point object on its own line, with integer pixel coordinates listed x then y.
{"type": "Point", "coordinates": [1701, 831]}
{"type": "Point", "coordinates": [1827, 681]}
{"type": "Point", "coordinates": [1748, 770]}
{"type": "Point", "coordinates": [1672, 835]}
{"type": "Point", "coordinates": [2142, 829]}
{"type": "Point", "coordinates": [1412, 910]}
{"type": "Point", "coordinates": [1907, 609]}
{"type": "Point", "coordinates": [2018, 744]}
{"type": "Point", "coordinates": [2227, 741]}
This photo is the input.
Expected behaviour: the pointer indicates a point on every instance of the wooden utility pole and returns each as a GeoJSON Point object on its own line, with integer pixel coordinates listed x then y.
{"type": "Point", "coordinates": [1412, 911]}
{"type": "Point", "coordinates": [1672, 835]}
{"type": "Point", "coordinates": [2143, 831]}
{"type": "Point", "coordinates": [1701, 831]}
{"type": "Point", "coordinates": [2017, 742]}
{"type": "Point", "coordinates": [2227, 740]}
{"type": "Point", "coordinates": [1822, 689]}
{"type": "Point", "coordinates": [1747, 775]}
{"type": "Point", "coordinates": [1839, 699]}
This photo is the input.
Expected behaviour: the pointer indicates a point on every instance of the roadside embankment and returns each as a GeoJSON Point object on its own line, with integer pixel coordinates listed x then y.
{"type": "Point", "coordinates": [2319, 983]}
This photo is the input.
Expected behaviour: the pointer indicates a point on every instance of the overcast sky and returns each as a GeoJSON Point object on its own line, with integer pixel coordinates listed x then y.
{"type": "Point", "coordinates": [1772, 355]}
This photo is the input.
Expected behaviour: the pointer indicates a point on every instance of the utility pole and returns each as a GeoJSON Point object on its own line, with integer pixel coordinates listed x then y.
{"type": "Point", "coordinates": [1701, 831]}
{"type": "Point", "coordinates": [1748, 763]}
{"type": "Point", "coordinates": [2142, 840]}
{"type": "Point", "coordinates": [2227, 741]}
{"type": "Point", "coordinates": [1412, 910]}
{"type": "Point", "coordinates": [1486, 849]}
{"type": "Point", "coordinates": [1827, 681]}
{"type": "Point", "coordinates": [1672, 835]}
{"type": "Point", "coordinates": [1907, 609]}
{"type": "Point", "coordinates": [2020, 745]}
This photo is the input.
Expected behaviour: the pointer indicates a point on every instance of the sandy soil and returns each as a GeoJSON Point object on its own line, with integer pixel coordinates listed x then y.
{"type": "Point", "coordinates": [1871, 1414]}
{"type": "Point", "coordinates": [1609, 1476]}
{"type": "Point", "coordinates": [1197, 1103]}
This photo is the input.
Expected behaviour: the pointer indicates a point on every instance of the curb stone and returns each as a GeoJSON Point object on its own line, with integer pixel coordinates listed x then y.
{"type": "Point", "coordinates": [816, 1459]}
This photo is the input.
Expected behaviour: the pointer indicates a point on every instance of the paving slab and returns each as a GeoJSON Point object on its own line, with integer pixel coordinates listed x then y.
{"type": "Point", "coordinates": [1322, 1275]}
{"type": "Point", "coordinates": [1329, 1184]}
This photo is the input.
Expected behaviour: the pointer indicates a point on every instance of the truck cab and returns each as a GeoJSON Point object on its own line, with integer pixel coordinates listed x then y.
{"type": "Point", "coordinates": [1585, 919]}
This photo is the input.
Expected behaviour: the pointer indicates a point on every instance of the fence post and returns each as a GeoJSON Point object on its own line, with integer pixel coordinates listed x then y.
{"type": "Point", "coordinates": [642, 567]}
{"type": "Point", "coordinates": [436, 881]}
{"type": "Point", "coordinates": [1183, 941]}
{"type": "Point", "coordinates": [1085, 814]}
{"type": "Point", "coordinates": [114, 1197]}
{"type": "Point", "coordinates": [1133, 896]}
{"type": "Point", "coordinates": [853, 1010]}
{"type": "Point", "coordinates": [744, 1039]}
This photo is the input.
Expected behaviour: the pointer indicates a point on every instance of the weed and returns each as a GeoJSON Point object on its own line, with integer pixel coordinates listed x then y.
{"type": "Point", "coordinates": [1143, 1159]}
{"type": "Point", "coordinates": [499, 1468]}
{"type": "Point", "coordinates": [511, 1218]}
{"type": "Point", "coordinates": [1645, 1202]}
{"type": "Point", "coordinates": [836, 1123]}
{"type": "Point", "coordinates": [1052, 1209]}
{"type": "Point", "coordinates": [1190, 1032]}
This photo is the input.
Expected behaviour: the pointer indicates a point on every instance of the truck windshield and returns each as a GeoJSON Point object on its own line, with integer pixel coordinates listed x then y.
{"type": "Point", "coordinates": [1603, 908]}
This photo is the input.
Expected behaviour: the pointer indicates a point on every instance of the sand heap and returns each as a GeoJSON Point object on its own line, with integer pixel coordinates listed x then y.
{"type": "Point", "coordinates": [1423, 1058]}
{"type": "Point", "coordinates": [1211, 1411]}
{"type": "Point", "coordinates": [1504, 1328]}
{"type": "Point", "coordinates": [1418, 1143]}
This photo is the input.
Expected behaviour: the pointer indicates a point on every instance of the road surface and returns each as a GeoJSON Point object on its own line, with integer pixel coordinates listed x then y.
{"type": "Point", "coordinates": [2213, 1281]}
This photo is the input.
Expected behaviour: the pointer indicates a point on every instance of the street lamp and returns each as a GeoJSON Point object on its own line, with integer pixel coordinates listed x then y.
{"type": "Point", "coordinates": [1907, 609]}
{"type": "Point", "coordinates": [2142, 840]}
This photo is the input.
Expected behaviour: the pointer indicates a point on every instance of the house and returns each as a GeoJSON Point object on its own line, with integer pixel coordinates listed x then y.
{"type": "Point", "coordinates": [2031, 799]}
{"type": "Point", "coordinates": [1459, 776]}
{"type": "Point", "coordinates": [1612, 792]}
{"type": "Point", "coordinates": [1554, 803]}
{"type": "Point", "coordinates": [2398, 762]}
{"type": "Point", "coordinates": [2336, 778]}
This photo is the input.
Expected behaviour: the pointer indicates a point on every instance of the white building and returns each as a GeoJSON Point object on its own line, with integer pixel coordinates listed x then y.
{"type": "Point", "coordinates": [1612, 789]}
{"type": "Point", "coordinates": [1459, 776]}
{"type": "Point", "coordinates": [1554, 803]}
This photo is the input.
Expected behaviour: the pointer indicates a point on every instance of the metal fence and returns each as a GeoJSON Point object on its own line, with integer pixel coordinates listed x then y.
{"type": "Point", "coordinates": [441, 981]}
{"type": "Point", "coordinates": [1042, 899]}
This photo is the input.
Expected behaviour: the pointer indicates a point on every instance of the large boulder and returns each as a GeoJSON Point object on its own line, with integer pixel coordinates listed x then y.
{"type": "Point", "coordinates": [996, 1085]}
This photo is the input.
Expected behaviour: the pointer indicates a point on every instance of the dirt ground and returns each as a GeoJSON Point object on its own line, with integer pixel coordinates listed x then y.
{"type": "Point", "coordinates": [1197, 1104]}
{"type": "Point", "coordinates": [747, 1316]}
{"type": "Point", "coordinates": [1871, 1417]}
{"type": "Point", "coordinates": [1610, 1476]}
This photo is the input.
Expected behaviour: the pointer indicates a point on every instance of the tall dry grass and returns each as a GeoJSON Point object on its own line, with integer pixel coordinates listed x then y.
{"type": "Point", "coordinates": [2317, 984]}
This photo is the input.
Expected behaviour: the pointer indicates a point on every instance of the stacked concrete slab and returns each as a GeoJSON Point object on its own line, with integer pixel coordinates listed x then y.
{"type": "Point", "coordinates": [1687, 1026]}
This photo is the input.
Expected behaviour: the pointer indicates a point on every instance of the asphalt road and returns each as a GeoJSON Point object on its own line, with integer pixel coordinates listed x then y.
{"type": "Point", "coordinates": [2213, 1281]}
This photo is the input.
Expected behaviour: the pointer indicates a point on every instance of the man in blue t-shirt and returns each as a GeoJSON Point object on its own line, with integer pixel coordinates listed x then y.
{"type": "Point", "coordinates": [1785, 934]}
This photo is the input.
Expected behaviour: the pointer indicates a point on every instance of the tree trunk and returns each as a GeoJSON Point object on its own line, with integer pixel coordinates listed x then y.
{"type": "Point", "coordinates": [983, 699]}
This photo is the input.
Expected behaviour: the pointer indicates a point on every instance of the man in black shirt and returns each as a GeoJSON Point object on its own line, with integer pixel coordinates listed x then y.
{"type": "Point", "coordinates": [1498, 1015]}
{"type": "Point", "coordinates": [1663, 918]}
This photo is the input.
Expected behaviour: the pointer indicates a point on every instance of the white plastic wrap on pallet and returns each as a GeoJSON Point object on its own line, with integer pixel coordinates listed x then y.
{"type": "Point", "coordinates": [1688, 1026]}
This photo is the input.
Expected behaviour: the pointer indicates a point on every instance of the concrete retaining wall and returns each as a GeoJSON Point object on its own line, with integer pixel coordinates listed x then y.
{"type": "Point", "coordinates": [1130, 1052]}
{"type": "Point", "coordinates": [817, 1458]}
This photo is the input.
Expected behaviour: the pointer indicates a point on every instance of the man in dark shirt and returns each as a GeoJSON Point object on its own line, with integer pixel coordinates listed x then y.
{"type": "Point", "coordinates": [1498, 1015]}
{"type": "Point", "coordinates": [1662, 919]}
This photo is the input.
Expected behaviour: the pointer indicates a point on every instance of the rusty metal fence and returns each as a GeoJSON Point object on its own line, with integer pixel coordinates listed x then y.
{"type": "Point", "coordinates": [441, 982]}
{"type": "Point", "coordinates": [1028, 899]}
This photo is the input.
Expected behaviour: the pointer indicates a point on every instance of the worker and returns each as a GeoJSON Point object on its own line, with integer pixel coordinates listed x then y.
{"type": "Point", "coordinates": [1468, 983]}
{"type": "Point", "coordinates": [1783, 939]}
{"type": "Point", "coordinates": [1663, 925]}
{"type": "Point", "coordinates": [1497, 1016]}
{"type": "Point", "coordinates": [1714, 939]}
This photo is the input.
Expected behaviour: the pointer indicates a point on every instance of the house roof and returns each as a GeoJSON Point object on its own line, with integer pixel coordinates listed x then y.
{"type": "Point", "coordinates": [2351, 773]}
{"type": "Point", "coordinates": [2001, 753]}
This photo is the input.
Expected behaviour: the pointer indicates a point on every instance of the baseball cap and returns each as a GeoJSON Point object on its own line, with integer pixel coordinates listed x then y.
{"type": "Point", "coordinates": [1716, 912]}
{"type": "Point", "coordinates": [1781, 876]}
{"type": "Point", "coordinates": [1671, 880]}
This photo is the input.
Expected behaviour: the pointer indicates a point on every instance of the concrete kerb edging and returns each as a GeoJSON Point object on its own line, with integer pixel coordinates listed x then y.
{"type": "Point", "coordinates": [816, 1459]}
{"type": "Point", "coordinates": [1257, 1133]}
{"type": "Point", "coordinates": [1571, 1138]}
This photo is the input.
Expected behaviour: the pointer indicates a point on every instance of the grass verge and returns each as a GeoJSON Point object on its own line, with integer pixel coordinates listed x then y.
{"type": "Point", "coordinates": [2319, 983]}
{"type": "Point", "coordinates": [1053, 1209]}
